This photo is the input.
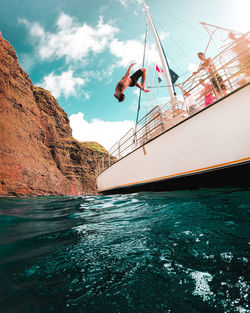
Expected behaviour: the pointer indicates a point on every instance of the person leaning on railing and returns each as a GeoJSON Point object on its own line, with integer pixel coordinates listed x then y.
{"type": "Point", "coordinates": [208, 65]}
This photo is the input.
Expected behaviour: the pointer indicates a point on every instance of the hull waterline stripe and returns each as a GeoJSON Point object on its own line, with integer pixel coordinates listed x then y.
{"type": "Point", "coordinates": [179, 174]}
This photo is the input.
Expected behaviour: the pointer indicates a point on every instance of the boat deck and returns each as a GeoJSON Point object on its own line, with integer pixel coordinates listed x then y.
{"type": "Point", "coordinates": [233, 66]}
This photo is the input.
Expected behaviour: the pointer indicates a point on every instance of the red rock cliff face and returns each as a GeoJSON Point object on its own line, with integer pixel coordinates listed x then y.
{"type": "Point", "coordinates": [38, 155]}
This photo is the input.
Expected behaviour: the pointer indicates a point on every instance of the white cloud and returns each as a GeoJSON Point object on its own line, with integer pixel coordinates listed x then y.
{"type": "Point", "coordinates": [62, 84]}
{"type": "Point", "coordinates": [35, 29]}
{"type": "Point", "coordinates": [105, 74]}
{"type": "Point", "coordinates": [192, 67]}
{"type": "Point", "coordinates": [136, 91]}
{"type": "Point", "coordinates": [64, 22]}
{"type": "Point", "coordinates": [76, 42]}
{"type": "Point", "coordinates": [163, 35]}
{"type": "Point", "coordinates": [104, 132]}
{"type": "Point", "coordinates": [127, 52]}
{"type": "Point", "coordinates": [124, 3]}
{"type": "Point", "coordinates": [71, 40]}
{"type": "Point", "coordinates": [132, 51]}
{"type": "Point", "coordinates": [26, 61]}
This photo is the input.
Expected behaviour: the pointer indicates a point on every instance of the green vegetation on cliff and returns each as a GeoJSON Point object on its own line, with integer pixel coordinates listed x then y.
{"type": "Point", "coordinates": [94, 146]}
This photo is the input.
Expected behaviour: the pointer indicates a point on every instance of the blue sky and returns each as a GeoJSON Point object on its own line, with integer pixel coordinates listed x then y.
{"type": "Point", "coordinates": [79, 49]}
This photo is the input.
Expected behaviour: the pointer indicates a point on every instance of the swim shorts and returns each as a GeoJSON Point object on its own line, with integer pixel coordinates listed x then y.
{"type": "Point", "coordinates": [217, 83]}
{"type": "Point", "coordinates": [135, 77]}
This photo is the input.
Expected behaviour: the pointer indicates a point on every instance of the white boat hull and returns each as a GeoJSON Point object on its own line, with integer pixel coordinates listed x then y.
{"type": "Point", "coordinates": [216, 138]}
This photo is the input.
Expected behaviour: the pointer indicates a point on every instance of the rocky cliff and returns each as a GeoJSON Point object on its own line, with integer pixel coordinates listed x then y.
{"type": "Point", "coordinates": [38, 155]}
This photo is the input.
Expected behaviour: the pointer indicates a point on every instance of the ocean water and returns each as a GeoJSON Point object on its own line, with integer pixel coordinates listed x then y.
{"type": "Point", "coordinates": [179, 251]}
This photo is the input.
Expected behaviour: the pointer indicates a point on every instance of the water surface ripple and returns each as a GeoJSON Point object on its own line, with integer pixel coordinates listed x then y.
{"type": "Point", "coordinates": [179, 251]}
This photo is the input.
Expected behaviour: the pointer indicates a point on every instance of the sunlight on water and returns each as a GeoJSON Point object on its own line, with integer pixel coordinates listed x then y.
{"type": "Point", "coordinates": [202, 288]}
{"type": "Point", "coordinates": [181, 251]}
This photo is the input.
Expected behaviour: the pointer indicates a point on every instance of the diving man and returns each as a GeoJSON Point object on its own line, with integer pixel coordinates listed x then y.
{"type": "Point", "coordinates": [130, 81]}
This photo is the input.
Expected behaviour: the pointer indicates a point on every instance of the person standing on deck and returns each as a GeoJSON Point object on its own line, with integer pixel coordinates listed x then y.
{"type": "Point", "coordinates": [208, 64]}
{"type": "Point", "coordinates": [130, 81]}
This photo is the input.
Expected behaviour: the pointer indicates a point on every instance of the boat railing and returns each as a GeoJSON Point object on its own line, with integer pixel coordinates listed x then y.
{"type": "Point", "coordinates": [150, 126]}
{"type": "Point", "coordinates": [232, 71]}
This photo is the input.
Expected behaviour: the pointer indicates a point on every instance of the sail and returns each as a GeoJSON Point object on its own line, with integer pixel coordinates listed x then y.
{"type": "Point", "coordinates": [161, 54]}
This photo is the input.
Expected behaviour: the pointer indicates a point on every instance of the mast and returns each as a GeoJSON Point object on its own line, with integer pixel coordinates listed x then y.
{"type": "Point", "coordinates": [161, 54]}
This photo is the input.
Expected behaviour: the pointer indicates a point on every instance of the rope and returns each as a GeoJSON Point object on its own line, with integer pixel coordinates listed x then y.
{"type": "Point", "coordinates": [158, 86]}
{"type": "Point", "coordinates": [176, 44]}
{"type": "Point", "coordinates": [178, 18]}
{"type": "Point", "coordinates": [144, 52]}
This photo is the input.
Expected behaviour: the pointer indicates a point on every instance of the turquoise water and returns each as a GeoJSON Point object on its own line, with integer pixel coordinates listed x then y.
{"type": "Point", "coordinates": [179, 251]}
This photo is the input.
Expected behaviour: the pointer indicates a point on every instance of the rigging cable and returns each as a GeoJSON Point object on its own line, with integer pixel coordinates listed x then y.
{"type": "Point", "coordinates": [181, 20]}
{"type": "Point", "coordinates": [144, 53]}
{"type": "Point", "coordinates": [179, 47]}
{"type": "Point", "coordinates": [163, 51]}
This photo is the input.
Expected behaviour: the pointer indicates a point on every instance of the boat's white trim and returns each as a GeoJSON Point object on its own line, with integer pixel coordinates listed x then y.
{"type": "Point", "coordinates": [195, 171]}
